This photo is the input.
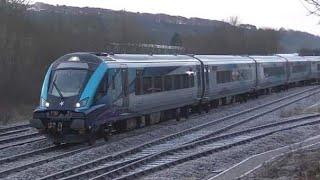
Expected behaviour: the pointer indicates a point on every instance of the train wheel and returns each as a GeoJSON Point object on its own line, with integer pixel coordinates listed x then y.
{"type": "Point", "coordinates": [199, 109]}
{"type": "Point", "coordinates": [106, 137]}
{"type": "Point", "coordinates": [92, 139]}
{"type": "Point", "coordinates": [224, 101]}
{"type": "Point", "coordinates": [107, 132]}
{"type": "Point", "coordinates": [215, 103]}
{"type": "Point", "coordinates": [186, 113]}
{"type": "Point", "coordinates": [233, 99]}
{"type": "Point", "coordinates": [207, 108]}
{"type": "Point", "coordinates": [155, 118]}
{"type": "Point", "coordinates": [57, 143]}
{"type": "Point", "coordinates": [178, 114]}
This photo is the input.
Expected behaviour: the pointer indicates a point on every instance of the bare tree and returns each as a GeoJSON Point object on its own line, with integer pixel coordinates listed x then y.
{"type": "Point", "coordinates": [13, 4]}
{"type": "Point", "coordinates": [234, 20]}
{"type": "Point", "coordinates": [313, 6]}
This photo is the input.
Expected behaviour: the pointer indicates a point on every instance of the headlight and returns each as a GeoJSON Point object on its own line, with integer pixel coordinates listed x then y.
{"type": "Point", "coordinates": [82, 103]}
{"type": "Point", "coordinates": [44, 103]}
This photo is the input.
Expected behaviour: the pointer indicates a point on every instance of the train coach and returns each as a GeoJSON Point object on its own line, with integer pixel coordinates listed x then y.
{"type": "Point", "coordinates": [86, 95]}
{"type": "Point", "coordinates": [299, 68]}
{"type": "Point", "coordinates": [315, 67]}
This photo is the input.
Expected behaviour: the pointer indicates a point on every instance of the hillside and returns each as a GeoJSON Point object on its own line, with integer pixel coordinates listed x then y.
{"type": "Point", "coordinates": [161, 27]}
{"type": "Point", "coordinates": [31, 37]}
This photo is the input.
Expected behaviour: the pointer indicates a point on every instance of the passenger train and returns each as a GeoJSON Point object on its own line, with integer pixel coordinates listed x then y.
{"type": "Point", "coordinates": [86, 95]}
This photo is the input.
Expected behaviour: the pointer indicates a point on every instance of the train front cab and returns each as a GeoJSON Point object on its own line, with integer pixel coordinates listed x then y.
{"type": "Point", "coordinates": [66, 110]}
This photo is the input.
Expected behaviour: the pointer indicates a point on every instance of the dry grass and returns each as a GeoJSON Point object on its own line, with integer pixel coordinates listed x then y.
{"type": "Point", "coordinates": [299, 110]}
{"type": "Point", "coordinates": [300, 165]}
{"type": "Point", "coordinates": [291, 112]}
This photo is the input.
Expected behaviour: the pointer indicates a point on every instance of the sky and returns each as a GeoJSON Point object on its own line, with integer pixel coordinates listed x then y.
{"type": "Point", "coordinates": [290, 14]}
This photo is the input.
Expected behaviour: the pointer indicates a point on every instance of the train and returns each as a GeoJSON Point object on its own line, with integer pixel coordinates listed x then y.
{"type": "Point", "coordinates": [87, 95]}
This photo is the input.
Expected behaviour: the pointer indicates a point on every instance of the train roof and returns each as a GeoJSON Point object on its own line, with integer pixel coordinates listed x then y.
{"type": "Point", "coordinates": [264, 59]}
{"type": "Point", "coordinates": [312, 58]}
{"type": "Point", "coordinates": [141, 58]}
{"type": "Point", "coordinates": [224, 59]}
{"type": "Point", "coordinates": [293, 57]}
{"type": "Point", "coordinates": [96, 58]}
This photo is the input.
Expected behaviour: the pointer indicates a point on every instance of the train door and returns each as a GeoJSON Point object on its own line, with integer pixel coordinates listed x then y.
{"type": "Point", "coordinates": [199, 81]}
{"type": "Point", "coordinates": [125, 85]}
{"type": "Point", "coordinates": [206, 76]}
{"type": "Point", "coordinates": [288, 71]}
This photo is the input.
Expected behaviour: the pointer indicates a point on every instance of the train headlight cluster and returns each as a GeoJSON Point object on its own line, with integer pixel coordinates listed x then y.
{"type": "Point", "coordinates": [44, 103]}
{"type": "Point", "coordinates": [82, 103]}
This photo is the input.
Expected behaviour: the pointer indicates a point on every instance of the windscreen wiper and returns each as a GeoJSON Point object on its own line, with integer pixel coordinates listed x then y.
{"type": "Point", "coordinates": [58, 90]}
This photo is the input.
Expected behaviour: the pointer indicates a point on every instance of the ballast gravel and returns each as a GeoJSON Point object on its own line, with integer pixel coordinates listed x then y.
{"type": "Point", "coordinates": [133, 138]}
{"type": "Point", "coordinates": [206, 167]}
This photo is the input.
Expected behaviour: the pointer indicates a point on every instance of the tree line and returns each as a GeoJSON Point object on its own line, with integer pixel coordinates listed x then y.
{"type": "Point", "coordinates": [30, 41]}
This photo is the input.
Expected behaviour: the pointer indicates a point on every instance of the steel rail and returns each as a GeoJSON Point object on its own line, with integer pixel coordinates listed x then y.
{"type": "Point", "coordinates": [27, 154]}
{"type": "Point", "coordinates": [14, 132]}
{"type": "Point", "coordinates": [123, 154]}
{"type": "Point", "coordinates": [5, 129]}
{"type": "Point", "coordinates": [7, 172]}
{"type": "Point", "coordinates": [21, 137]}
{"type": "Point", "coordinates": [176, 156]}
{"type": "Point", "coordinates": [27, 141]}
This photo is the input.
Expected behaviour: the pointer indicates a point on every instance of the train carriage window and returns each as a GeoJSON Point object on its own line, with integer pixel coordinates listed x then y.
{"type": "Point", "coordinates": [214, 68]}
{"type": "Point", "coordinates": [236, 76]}
{"type": "Point", "coordinates": [147, 85]}
{"type": "Point", "coordinates": [185, 81]}
{"type": "Point", "coordinates": [220, 77]}
{"type": "Point", "coordinates": [177, 81]}
{"type": "Point", "coordinates": [158, 85]}
{"type": "Point", "coordinates": [191, 78]}
{"type": "Point", "coordinates": [102, 89]}
{"type": "Point", "coordinates": [168, 83]}
{"type": "Point", "coordinates": [207, 71]}
{"type": "Point", "coordinates": [273, 71]}
{"type": "Point", "coordinates": [224, 77]}
{"type": "Point", "coordinates": [113, 83]}
{"type": "Point", "coordinates": [245, 74]}
{"type": "Point", "coordinates": [198, 77]}
{"type": "Point", "coordinates": [138, 82]}
{"type": "Point", "coordinates": [299, 68]}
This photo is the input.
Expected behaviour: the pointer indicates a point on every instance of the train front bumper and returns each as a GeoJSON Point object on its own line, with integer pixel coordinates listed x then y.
{"type": "Point", "coordinates": [61, 126]}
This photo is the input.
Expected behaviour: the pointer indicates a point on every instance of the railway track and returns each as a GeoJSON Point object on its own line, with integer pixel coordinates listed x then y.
{"type": "Point", "coordinates": [14, 132]}
{"type": "Point", "coordinates": [185, 137]}
{"type": "Point", "coordinates": [12, 128]}
{"type": "Point", "coordinates": [19, 143]}
{"type": "Point", "coordinates": [20, 137]}
{"type": "Point", "coordinates": [168, 158]}
{"type": "Point", "coordinates": [27, 154]}
{"type": "Point", "coordinates": [15, 139]}
{"type": "Point", "coordinates": [137, 165]}
{"type": "Point", "coordinates": [16, 169]}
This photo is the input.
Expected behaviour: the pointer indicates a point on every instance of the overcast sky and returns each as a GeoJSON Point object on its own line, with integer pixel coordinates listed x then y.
{"type": "Point", "coordinates": [290, 14]}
